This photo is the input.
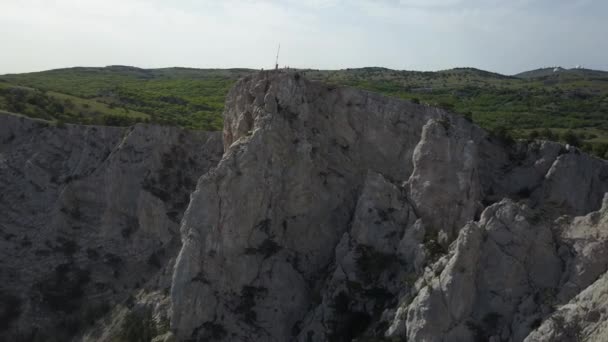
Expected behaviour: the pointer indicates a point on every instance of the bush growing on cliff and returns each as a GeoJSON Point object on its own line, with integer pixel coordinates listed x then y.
{"type": "Point", "coordinates": [140, 327]}
{"type": "Point", "coordinates": [503, 134]}
{"type": "Point", "coordinates": [548, 134]}
{"type": "Point", "coordinates": [533, 135]}
{"type": "Point", "coordinates": [570, 138]}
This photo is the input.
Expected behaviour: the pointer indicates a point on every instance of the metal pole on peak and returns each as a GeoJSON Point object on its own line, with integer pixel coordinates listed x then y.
{"type": "Point", "coordinates": [276, 64]}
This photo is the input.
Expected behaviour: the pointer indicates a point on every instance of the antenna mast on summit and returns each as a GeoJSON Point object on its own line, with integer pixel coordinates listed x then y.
{"type": "Point", "coordinates": [276, 64]}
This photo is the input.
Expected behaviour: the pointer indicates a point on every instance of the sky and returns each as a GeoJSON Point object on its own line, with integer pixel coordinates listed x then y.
{"type": "Point", "coordinates": [506, 36]}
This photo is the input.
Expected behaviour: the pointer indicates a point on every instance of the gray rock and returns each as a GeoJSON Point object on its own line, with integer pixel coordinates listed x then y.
{"type": "Point", "coordinates": [445, 177]}
{"type": "Point", "coordinates": [584, 318]}
{"type": "Point", "coordinates": [369, 273]}
{"type": "Point", "coordinates": [88, 215]}
{"type": "Point", "coordinates": [278, 255]}
{"type": "Point", "coordinates": [333, 214]}
{"type": "Point", "coordinates": [284, 195]}
{"type": "Point", "coordinates": [576, 183]}
{"type": "Point", "coordinates": [585, 249]}
{"type": "Point", "coordinates": [494, 265]}
{"type": "Point", "coordinates": [582, 300]}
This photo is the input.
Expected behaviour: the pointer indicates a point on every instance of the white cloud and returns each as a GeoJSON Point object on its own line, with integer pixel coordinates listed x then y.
{"type": "Point", "coordinates": [430, 3]}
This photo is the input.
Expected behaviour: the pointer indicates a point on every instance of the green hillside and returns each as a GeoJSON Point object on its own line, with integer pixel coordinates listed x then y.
{"type": "Point", "coordinates": [558, 104]}
{"type": "Point", "coordinates": [120, 95]}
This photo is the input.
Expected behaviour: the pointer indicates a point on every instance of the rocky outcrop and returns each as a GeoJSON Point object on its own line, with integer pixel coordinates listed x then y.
{"type": "Point", "coordinates": [329, 214]}
{"type": "Point", "coordinates": [585, 246]}
{"type": "Point", "coordinates": [446, 178]}
{"type": "Point", "coordinates": [89, 215]}
{"type": "Point", "coordinates": [582, 299]}
{"type": "Point", "coordinates": [371, 265]}
{"type": "Point", "coordinates": [337, 214]}
{"type": "Point", "coordinates": [284, 194]}
{"type": "Point", "coordinates": [582, 319]}
{"type": "Point", "coordinates": [506, 273]}
{"type": "Point", "coordinates": [575, 183]}
{"type": "Point", "coordinates": [492, 284]}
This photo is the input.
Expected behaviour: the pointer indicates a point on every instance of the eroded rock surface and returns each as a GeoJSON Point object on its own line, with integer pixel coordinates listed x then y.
{"type": "Point", "coordinates": [582, 299]}
{"type": "Point", "coordinates": [284, 194]}
{"type": "Point", "coordinates": [494, 280]}
{"type": "Point", "coordinates": [337, 214]}
{"type": "Point", "coordinates": [324, 214]}
{"type": "Point", "coordinates": [89, 215]}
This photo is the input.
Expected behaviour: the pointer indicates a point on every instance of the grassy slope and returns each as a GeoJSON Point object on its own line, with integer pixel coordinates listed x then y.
{"type": "Point", "coordinates": [561, 101]}
{"type": "Point", "coordinates": [574, 99]}
{"type": "Point", "coordinates": [50, 105]}
{"type": "Point", "coordinates": [177, 96]}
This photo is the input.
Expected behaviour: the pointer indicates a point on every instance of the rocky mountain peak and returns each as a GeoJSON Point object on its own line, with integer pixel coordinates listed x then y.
{"type": "Point", "coordinates": [330, 205]}
{"type": "Point", "coordinates": [333, 214]}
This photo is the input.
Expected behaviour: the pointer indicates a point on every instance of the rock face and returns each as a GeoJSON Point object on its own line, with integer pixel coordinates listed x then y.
{"type": "Point", "coordinates": [490, 283]}
{"type": "Point", "coordinates": [88, 215]}
{"type": "Point", "coordinates": [583, 297]}
{"type": "Point", "coordinates": [284, 195]}
{"type": "Point", "coordinates": [338, 214]}
{"type": "Point", "coordinates": [333, 214]}
{"type": "Point", "coordinates": [457, 193]}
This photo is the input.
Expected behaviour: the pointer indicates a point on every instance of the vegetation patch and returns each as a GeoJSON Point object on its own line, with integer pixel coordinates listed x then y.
{"type": "Point", "coordinates": [433, 247]}
{"type": "Point", "coordinates": [575, 100]}
{"type": "Point", "coordinates": [138, 327]}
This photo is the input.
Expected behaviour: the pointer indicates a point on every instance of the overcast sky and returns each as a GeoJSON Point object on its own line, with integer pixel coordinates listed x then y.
{"type": "Point", "coordinates": [506, 36]}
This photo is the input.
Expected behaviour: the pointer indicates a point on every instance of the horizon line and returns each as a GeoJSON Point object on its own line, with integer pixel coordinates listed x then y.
{"type": "Point", "coordinates": [578, 67]}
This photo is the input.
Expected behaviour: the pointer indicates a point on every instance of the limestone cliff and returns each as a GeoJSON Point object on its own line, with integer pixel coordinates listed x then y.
{"type": "Point", "coordinates": [89, 215]}
{"type": "Point", "coordinates": [337, 214]}
{"type": "Point", "coordinates": [324, 214]}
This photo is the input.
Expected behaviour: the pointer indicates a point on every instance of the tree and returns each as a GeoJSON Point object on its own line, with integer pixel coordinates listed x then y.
{"type": "Point", "coordinates": [468, 115]}
{"type": "Point", "coordinates": [503, 134]}
{"type": "Point", "coordinates": [67, 103]}
{"type": "Point", "coordinates": [548, 134]}
{"type": "Point", "coordinates": [56, 108]}
{"type": "Point", "coordinates": [118, 120]}
{"type": "Point", "coordinates": [600, 150]}
{"type": "Point", "coordinates": [570, 138]}
{"type": "Point", "coordinates": [533, 135]}
{"type": "Point", "coordinates": [445, 105]}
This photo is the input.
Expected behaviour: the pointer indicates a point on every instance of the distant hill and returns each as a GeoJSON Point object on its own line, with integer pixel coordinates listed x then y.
{"type": "Point", "coordinates": [560, 100]}
{"type": "Point", "coordinates": [560, 72]}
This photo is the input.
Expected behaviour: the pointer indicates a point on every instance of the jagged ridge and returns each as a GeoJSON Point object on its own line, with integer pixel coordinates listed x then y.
{"type": "Point", "coordinates": [330, 207]}
{"type": "Point", "coordinates": [333, 214]}
{"type": "Point", "coordinates": [89, 216]}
